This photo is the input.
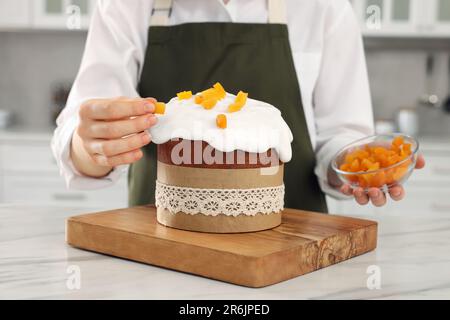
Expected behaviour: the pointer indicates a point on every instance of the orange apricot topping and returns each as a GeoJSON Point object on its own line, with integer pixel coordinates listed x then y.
{"type": "Point", "coordinates": [199, 99]}
{"type": "Point", "coordinates": [184, 95]}
{"type": "Point", "coordinates": [210, 93]}
{"type": "Point", "coordinates": [221, 121]}
{"type": "Point", "coordinates": [371, 158]}
{"type": "Point", "coordinates": [221, 93]}
{"type": "Point", "coordinates": [160, 108]}
{"type": "Point", "coordinates": [241, 97]}
{"type": "Point", "coordinates": [209, 97]}
{"type": "Point", "coordinates": [239, 102]}
{"type": "Point", "coordinates": [209, 103]}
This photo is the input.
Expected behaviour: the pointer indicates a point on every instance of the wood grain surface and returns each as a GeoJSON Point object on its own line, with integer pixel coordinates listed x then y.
{"type": "Point", "coordinates": [304, 242]}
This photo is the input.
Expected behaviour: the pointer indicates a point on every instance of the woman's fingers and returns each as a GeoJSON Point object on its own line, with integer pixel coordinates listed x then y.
{"type": "Point", "coordinates": [124, 158]}
{"type": "Point", "coordinates": [115, 109]}
{"type": "Point", "coordinates": [420, 163]}
{"type": "Point", "coordinates": [112, 132]}
{"type": "Point", "coordinates": [374, 195]}
{"type": "Point", "coordinates": [347, 190]}
{"type": "Point", "coordinates": [377, 197]}
{"type": "Point", "coordinates": [116, 129]}
{"type": "Point", "coordinates": [111, 148]}
{"type": "Point", "coordinates": [360, 196]}
{"type": "Point", "coordinates": [397, 193]}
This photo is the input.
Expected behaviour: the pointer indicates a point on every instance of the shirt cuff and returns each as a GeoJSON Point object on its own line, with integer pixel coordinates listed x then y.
{"type": "Point", "coordinates": [61, 144]}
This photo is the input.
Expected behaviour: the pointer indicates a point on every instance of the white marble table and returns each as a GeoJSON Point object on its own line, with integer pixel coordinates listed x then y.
{"type": "Point", "coordinates": [413, 257]}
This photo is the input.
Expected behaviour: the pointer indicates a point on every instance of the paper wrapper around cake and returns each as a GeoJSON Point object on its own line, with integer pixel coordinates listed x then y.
{"type": "Point", "coordinates": [232, 197]}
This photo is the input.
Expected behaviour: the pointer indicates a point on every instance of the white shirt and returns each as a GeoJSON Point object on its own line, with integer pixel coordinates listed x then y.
{"type": "Point", "coordinates": [327, 50]}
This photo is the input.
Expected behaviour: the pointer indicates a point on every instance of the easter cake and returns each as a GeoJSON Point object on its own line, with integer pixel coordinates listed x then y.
{"type": "Point", "coordinates": [220, 162]}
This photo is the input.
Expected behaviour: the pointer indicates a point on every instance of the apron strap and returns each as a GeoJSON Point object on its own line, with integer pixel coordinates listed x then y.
{"type": "Point", "coordinates": [277, 11]}
{"type": "Point", "coordinates": [162, 10]}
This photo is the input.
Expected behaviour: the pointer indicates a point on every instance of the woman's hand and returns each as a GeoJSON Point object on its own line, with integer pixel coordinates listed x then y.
{"type": "Point", "coordinates": [111, 132]}
{"type": "Point", "coordinates": [375, 195]}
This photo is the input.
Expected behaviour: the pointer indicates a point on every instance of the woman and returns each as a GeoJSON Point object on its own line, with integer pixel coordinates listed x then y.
{"type": "Point", "coordinates": [242, 44]}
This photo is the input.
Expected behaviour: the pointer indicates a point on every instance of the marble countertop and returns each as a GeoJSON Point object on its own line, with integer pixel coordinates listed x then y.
{"type": "Point", "coordinates": [413, 260]}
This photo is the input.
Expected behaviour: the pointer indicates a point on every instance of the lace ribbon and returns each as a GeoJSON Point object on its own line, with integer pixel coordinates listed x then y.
{"type": "Point", "coordinates": [212, 202]}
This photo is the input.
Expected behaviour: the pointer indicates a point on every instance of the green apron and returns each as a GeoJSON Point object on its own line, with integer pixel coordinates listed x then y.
{"type": "Point", "coordinates": [255, 58]}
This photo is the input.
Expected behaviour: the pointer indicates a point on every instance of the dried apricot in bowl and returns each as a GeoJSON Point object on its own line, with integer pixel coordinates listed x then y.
{"type": "Point", "coordinates": [376, 161]}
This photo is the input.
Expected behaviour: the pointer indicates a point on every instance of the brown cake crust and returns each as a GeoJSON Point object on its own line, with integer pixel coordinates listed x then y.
{"type": "Point", "coordinates": [220, 223]}
{"type": "Point", "coordinates": [219, 178]}
{"type": "Point", "coordinates": [249, 173]}
{"type": "Point", "coordinates": [247, 161]}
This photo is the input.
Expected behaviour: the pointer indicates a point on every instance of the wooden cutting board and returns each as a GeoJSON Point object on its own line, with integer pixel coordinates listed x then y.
{"type": "Point", "coordinates": [304, 242]}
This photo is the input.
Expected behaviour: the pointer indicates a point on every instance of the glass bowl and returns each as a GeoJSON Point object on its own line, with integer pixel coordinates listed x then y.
{"type": "Point", "coordinates": [384, 177]}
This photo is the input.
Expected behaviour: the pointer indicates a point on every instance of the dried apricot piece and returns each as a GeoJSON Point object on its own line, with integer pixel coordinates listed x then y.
{"type": "Point", "coordinates": [364, 180]}
{"type": "Point", "coordinates": [406, 149]}
{"type": "Point", "coordinates": [395, 158]}
{"type": "Point", "coordinates": [239, 102]}
{"type": "Point", "coordinates": [379, 150]}
{"type": "Point", "coordinates": [221, 93]}
{"type": "Point", "coordinates": [398, 141]}
{"type": "Point", "coordinates": [355, 165]}
{"type": "Point", "coordinates": [382, 159]}
{"type": "Point", "coordinates": [234, 107]}
{"type": "Point", "coordinates": [209, 93]}
{"type": "Point", "coordinates": [365, 164]}
{"type": "Point", "coordinates": [400, 172]}
{"type": "Point", "coordinates": [374, 166]}
{"type": "Point", "coordinates": [378, 180]}
{"type": "Point", "coordinates": [199, 99]}
{"type": "Point", "coordinates": [221, 121]}
{"type": "Point", "coordinates": [184, 95]}
{"type": "Point", "coordinates": [160, 108]}
{"type": "Point", "coordinates": [241, 98]}
{"type": "Point", "coordinates": [390, 176]}
{"type": "Point", "coordinates": [349, 157]}
{"type": "Point", "coordinates": [351, 178]}
{"type": "Point", "coordinates": [396, 149]}
{"type": "Point", "coordinates": [209, 103]}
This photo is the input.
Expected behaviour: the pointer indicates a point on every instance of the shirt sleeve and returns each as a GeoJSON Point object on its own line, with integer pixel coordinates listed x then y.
{"type": "Point", "coordinates": [342, 103]}
{"type": "Point", "coordinates": [110, 67]}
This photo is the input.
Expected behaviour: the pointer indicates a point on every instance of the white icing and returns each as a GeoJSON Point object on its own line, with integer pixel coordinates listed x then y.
{"type": "Point", "coordinates": [257, 127]}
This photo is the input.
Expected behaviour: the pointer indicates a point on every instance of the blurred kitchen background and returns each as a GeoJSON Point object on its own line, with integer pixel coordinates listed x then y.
{"type": "Point", "coordinates": [41, 42]}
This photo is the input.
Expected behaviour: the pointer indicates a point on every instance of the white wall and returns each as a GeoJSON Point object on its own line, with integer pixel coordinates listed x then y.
{"type": "Point", "coordinates": [30, 64]}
